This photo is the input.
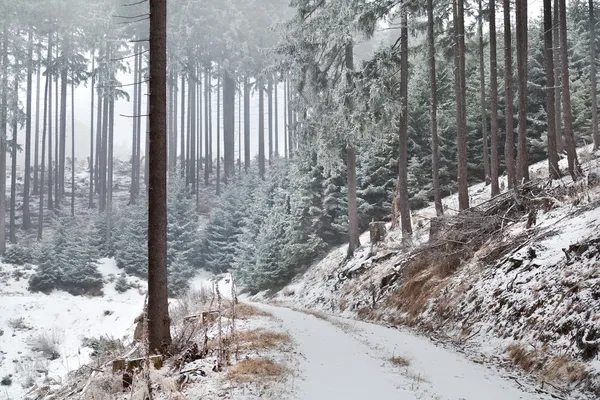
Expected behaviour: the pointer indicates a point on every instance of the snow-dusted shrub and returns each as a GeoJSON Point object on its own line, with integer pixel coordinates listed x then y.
{"type": "Point", "coordinates": [102, 345]}
{"type": "Point", "coordinates": [6, 380]}
{"type": "Point", "coordinates": [19, 255]}
{"type": "Point", "coordinates": [122, 285]}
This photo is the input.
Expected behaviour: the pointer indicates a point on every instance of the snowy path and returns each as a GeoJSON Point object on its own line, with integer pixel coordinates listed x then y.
{"type": "Point", "coordinates": [349, 360]}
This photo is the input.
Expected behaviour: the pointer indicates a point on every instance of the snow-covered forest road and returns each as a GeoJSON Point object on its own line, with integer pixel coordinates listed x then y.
{"type": "Point", "coordinates": [352, 360]}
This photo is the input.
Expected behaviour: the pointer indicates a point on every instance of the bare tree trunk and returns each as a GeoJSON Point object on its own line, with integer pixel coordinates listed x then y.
{"type": "Point", "coordinates": [228, 124]}
{"type": "Point", "coordinates": [109, 179]}
{"type": "Point", "coordinates": [239, 92]}
{"type": "Point", "coordinates": [13, 152]}
{"type": "Point", "coordinates": [270, 113]}
{"type": "Point", "coordinates": [158, 306]}
{"type": "Point", "coordinates": [99, 132]}
{"type": "Point", "coordinates": [182, 140]}
{"type": "Point", "coordinates": [50, 116]}
{"type": "Point", "coordinates": [91, 159]}
{"type": "Point", "coordinates": [40, 226]}
{"type": "Point", "coordinates": [134, 156]}
{"type": "Point", "coordinates": [246, 124]}
{"type": "Point", "coordinates": [218, 134]}
{"type": "Point", "coordinates": [486, 157]}
{"type": "Point", "coordinates": [509, 150]}
{"type": "Point", "coordinates": [494, 164]}
{"type": "Point", "coordinates": [191, 162]}
{"type": "Point", "coordinates": [72, 148]}
{"type": "Point", "coordinates": [175, 126]}
{"type": "Point", "coordinates": [435, 154]}
{"type": "Point", "coordinates": [553, 169]}
{"type": "Point", "coordinates": [28, 112]}
{"type": "Point", "coordinates": [276, 117]}
{"type": "Point", "coordinates": [285, 125]}
{"type": "Point", "coordinates": [3, 136]}
{"type": "Point", "coordinates": [36, 166]}
{"type": "Point", "coordinates": [403, 205]}
{"type": "Point", "coordinates": [104, 143]}
{"type": "Point", "coordinates": [261, 129]}
{"type": "Point", "coordinates": [57, 199]}
{"type": "Point", "coordinates": [595, 132]}
{"type": "Point", "coordinates": [290, 120]}
{"type": "Point", "coordinates": [574, 167]}
{"type": "Point", "coordinates": [60, 194]}
{"type": "Point", "coordinates": [207, 120]}
{"type": "Point", "coordinates": [560, 141]}
{"type": "Point", "coordinates": [521, 28]}
{"type": "Point", "coordinates": [461, 112]}
{"type": "Point", "coordinates": [138, 140]}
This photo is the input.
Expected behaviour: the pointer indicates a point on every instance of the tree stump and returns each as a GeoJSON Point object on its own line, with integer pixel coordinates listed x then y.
{"type": "Point", "coordinates": [378, 231]}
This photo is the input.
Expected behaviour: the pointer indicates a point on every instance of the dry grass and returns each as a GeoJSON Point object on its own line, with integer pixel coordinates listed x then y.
{"type": "Point", "coordinates": [523, 358]}
{"type": "Point", "coordinates": [261, 339]}
{"type": "Point", "coordinates": [257, 369]}
{"type": "Point", "coordinates": [246, 311]}
{"type": "Point", "coordinates": [399, 361]}
{"type": "Point", "coordinates": [564, 369]}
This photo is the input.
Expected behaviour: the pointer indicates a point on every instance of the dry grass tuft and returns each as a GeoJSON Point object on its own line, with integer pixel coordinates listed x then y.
{"type": "Point", "coordinates": [245, 311]}
{"type": "Point", "coordinates": [253, 369]}
{"type": "Point", "coordinates": [564, 369]}
{"type": "Point", "coordinates": [399, 361]}
{"type": "Point", "coordinates": [261, 339]}
{"type": "Point", "coordinates": [521, 357]}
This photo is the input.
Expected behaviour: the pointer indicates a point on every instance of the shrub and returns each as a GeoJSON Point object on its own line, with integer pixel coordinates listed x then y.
{"type": "Point", "coordinates": [102, 345]}
{"type": "Point", "coordinates": [121, 285]}
{"type": "Point", "coordinates": [47, 344]}
{"type": "Point", "coordinates": [18, 255]}
{"type": "Point", "coordinates": [6, 381]}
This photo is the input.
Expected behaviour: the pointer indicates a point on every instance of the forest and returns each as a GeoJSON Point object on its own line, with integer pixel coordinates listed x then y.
{"type": "Point", "coordinates": [290, 125]}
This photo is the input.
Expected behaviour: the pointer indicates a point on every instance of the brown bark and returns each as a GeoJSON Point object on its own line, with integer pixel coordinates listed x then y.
{"type": "Point", "coordinates": [553, 169]}
{"type": "Point", "coordinates": [509, 150]}
{"type": "Point", "coordinates": [521, 38]}
{"type": "Point", "coordinates": [91, 158]}
{"type": "Point", "coordinates": [574, 167]}
{"type": "Point", "coordinates": [36, 166]}
{"type": "Point", "coordinates": [246, 124]}
{"type": "Point", "coordinates": [560, 141]}
{"type": "Point", "coordinates": [461, 112]}
{"type": "Point", "coordinates": [353, 229]}
{"type": "Point", "coordinates": [158, 306]}
{"type": "Point", "coordinates": [261, 129]}
{"type": "Point", "coordinates": [13, 154]}
{"type": "Point", "coordinates": [482, 100]}
{"type": "Point", "coordinates": [595, 133]}
{"type": "Point", "coordinates": [494, 160]}
{"type": "Point", "coordinates": [435, 154]}
{"type": "Point", "coordinates": [3, 136]}
{"type": "Point", "coordinates": [43, 162]}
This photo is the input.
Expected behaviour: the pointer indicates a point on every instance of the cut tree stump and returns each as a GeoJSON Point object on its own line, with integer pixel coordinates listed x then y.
{"type": "Point", "coordinates": [378, 231]}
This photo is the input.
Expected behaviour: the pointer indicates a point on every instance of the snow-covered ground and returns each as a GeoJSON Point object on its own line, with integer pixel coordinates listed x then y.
{"type": "Point", "coordinates": [352, 360]}
{"type": "Point", "coordinates": [31, 320]}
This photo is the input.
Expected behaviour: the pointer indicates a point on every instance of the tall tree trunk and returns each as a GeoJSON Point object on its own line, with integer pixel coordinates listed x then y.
{"type": "Point", "coordinates": [486, 157]}
{"type": "Point", "coordinates": [173, 159]}
{"type": "Point", "coordinates": [494, 161]}
{"type": "Point", "coordinates": [50, 116]}
{"type": "Point", "coordinates": [435, 154]}
{"type": "Point", "coordinates": [63, 120]}
{"type": "Point", "coordinates": [191, 145]}
{"type": "Point", "coordinates": [560, 141]}
{"type": "Point", "coordinates": [134, 156]}
{"type": "Point", "coordinates": [509, 150]}
{"type": "Point", "coordinates": [218, 134]}
{"type": "Point", "coordinates": [159, 330]}
{"type": "Point", "coordinates": [521, 28]}
{"type": "Point", "coordinates": [28, 112]}
{"type": "Point", "coordinates": [276, 121]}
{"type": "Point", "coordinates": [40, 222]}
{"type": "Point", "coordinates": [228, 124]}
{"type": "Point", "coordinates": [290, 120]}
{"type": "Point", "coordinates": [353, 228]}
{"type": "Point", "coordinates": [553, 169]}
{"type": "Point", "coordinates": [182, 140]}
{"type": "Point", "coordinates": [104, 143]}
{"type": "Point", "coordinates": [138, 140]}
{"type": "Point", "coordinates": [270, 113]}
{"type": "Point", "coordinates": [72, 148]}
{"type": "Point", "coordinates": [595, 132]}
{"type": "Point", "coordinates": [13, 154]}
{"type": "Point", "coordinates": [57, 199]}
{"type": "Point", "coordinates": [198, 158]}
{"type": "Point", "coordinates": [99, 132]}
{"type": "Point", "coordinates": [246, 124]}
{"type": "Point", "coordinates": [109, 179]}
{"type": "Point", "coordinates": [285, 125]}
{"type": "Point", "coordinates": [461, 112]}
{"type": "Point", "coordinates": [3, 135]}
{"type": "Point", "coordinates": [239, 93]}
{"type": "Point", "coordinates": [570, 145]}
{"type": "Point", "coordinates": [36, 166]}
{"type": "Point", "coordinates": [91, 158]}
{"type": "Point", "coordinates": [402, 205]}
{"type": "Point", "coordinates": [261, 129]}
{"type": "Point", "coordinates": [207, 119]}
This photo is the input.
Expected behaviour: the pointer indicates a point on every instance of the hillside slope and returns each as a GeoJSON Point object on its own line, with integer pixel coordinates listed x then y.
{"type": "Point", "coordinates": [514, 281]}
